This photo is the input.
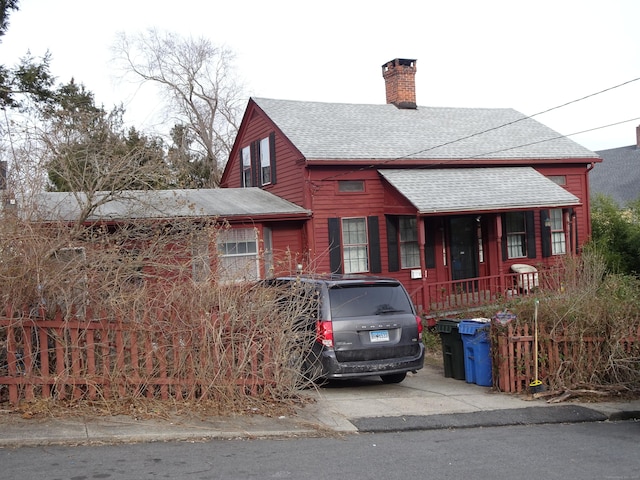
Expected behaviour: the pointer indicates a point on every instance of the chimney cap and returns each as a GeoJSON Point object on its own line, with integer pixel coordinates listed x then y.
{"type": "Point", "coordinates": [408, 62]}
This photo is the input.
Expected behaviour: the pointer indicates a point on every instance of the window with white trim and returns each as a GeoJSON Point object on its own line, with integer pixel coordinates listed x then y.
{"type": "Point", "coordinates": [265, 162]}
{"type": "Point", "coordinates": [246, 167]}
{"type": "Point", "coordinates": [516, 230]}
{"type": "Point", "coordinates": [558, 237]}
{"type": "Point", "coordinates": [238, 254]}
{"type": "Point", "coordinates": [355, 245]}
{"type": "Point", "coordinates": [408, 239]}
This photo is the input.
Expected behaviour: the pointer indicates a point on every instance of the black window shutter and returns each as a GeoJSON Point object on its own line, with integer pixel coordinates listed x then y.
{"type": "Point", "coordinates": [374, 244]}
{"type": "Point", "coordinates": [505, 252]}
{"type": "Point", "coordinates": [546, 233]}
{"type": "Point", "coordinates": [430, 243]}
{"type": "Point", "coordinates": [335, 250]}
{"type": "Point", "coordinates": [531, 234]}
{"type": "Point", "coordinates": [241, 171]}
{"type": "Point", "coordinates": [392, 243]}
{"type": "Point", "coordinates": [272, 156]}
{"type": "Point", "coordinates": [255, 164]}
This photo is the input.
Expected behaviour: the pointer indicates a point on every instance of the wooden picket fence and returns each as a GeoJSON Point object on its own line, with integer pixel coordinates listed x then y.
{"type": "Point", "coordinates": [113, 358]}
{"type": "Point", "coordinates": [513, 355]}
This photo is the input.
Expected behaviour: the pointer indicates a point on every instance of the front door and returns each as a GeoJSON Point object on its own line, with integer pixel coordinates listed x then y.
{"type": "Point", "coordinates": [463, 247]}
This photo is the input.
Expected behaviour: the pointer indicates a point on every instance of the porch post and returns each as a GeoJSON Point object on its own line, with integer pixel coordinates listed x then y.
{"type": "Point", "coordinates": [499, 252]}
{"type": "Point", "coordinates": [422, 240]}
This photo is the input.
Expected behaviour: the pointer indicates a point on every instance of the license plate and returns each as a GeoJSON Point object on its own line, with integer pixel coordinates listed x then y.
{"type": "Point", "coordinates": [379, 336]}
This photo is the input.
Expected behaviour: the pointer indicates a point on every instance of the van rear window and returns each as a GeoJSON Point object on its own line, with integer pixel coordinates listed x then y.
{"type": "Point", "coordinates": [358, 301]}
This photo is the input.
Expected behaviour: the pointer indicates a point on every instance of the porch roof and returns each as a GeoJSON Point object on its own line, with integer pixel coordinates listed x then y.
{"type": "Point", "coordinates": [453, 190]}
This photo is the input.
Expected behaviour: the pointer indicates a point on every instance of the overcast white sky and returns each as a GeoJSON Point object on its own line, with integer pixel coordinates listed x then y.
{"type": "Point", "coordinates": [530, 56]}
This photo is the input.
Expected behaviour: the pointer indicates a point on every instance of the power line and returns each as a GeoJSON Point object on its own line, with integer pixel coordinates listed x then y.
{"type": "Point", "coordinates": [525, 118]}
{"type": "Point", "coordinates": [482, 132]}
{"type": "Point", "coordinates": [558, 137]}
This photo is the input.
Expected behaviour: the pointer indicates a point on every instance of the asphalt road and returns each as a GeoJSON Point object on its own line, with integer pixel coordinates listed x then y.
{"type": "Point", "coordinates": [600, 450]}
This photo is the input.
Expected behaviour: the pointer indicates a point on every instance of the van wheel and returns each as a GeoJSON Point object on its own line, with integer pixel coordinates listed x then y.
{"type": "Point", "coordinates": [393, 378]}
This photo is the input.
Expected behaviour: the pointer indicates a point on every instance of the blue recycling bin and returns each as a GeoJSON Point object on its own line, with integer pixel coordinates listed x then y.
{"type": "Point", "coordinates": [477, 355]}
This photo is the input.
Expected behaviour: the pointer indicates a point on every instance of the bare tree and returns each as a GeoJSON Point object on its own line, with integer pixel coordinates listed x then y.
{"type": "Point", "coordinates": [201, 90]}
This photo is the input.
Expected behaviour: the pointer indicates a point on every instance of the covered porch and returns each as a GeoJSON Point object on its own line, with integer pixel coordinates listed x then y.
{"type": "Point", "coordinates": [484, 234]}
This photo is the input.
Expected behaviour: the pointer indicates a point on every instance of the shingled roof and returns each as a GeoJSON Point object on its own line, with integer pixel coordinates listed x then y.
{"type": "Point", "coordinates": [618, 176]}
{"type": "Point", "coordinates": [225, 203]}
{"type": "Point", "coordinates": [325, 131]}
{"type": "Point", "coordinates": [478, 189]}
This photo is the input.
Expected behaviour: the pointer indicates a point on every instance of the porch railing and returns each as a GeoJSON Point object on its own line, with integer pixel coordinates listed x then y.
{"type": "Point", "coordinates": [475, 292]}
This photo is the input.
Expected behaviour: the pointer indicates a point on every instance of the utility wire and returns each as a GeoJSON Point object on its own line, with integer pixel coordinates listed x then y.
{"type": "Point", "coordinates": [558, 137]}
{"type": "Point", "coordinates": [482, 132]}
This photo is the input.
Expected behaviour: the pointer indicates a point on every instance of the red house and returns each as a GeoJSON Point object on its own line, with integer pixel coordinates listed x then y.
{"type": "Point", "coordinates": [451, 201]}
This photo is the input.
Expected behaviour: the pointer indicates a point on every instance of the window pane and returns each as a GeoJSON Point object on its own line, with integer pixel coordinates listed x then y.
{"type": "Point", "coordinates": [558, 238]}
{"type": "Point", "coordinates": [515, 222]}
{"type": "Point", "coordinates": [556, 218]}
{"type": "Point", "coordinates": [516, 235]}
{"type": "Point", "coordinates": [515, 246]}
{"type": "Point", "coordinates": [238, 258]}
{"type": "Point", "coordinates": [265, 161]}
{"type": "Point", "coordinates": [408, 229]}
{"type": "Point", "coordinates": [409, 250]}
{"type": "Point", "coordinates": [355, 251]}
{"type": "Point", "coordinates": [355, 260]}
{"type": "Point", "coordinates": [410, 255]}
{"type": "Point", "coordinates": [246, 167]}
{"type": "Point", "coordinates": [355, 231]}
{"type": "Point", "coordinates": [558, 179]}
{"type": "Point", "coordinates": [351, 186]}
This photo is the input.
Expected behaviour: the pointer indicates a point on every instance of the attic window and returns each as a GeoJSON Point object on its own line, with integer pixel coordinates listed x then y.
{"type": "Point", "coordinates": [265, 162]}
{"type": "Point", "coordinates": [558, 179]}
{"type": "Point", "coordinates": [351, 186]}
{"type": "Point", "coordinates": [246, 167]}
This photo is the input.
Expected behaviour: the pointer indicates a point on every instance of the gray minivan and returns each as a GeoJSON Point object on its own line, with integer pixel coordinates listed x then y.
{"type": "Point", "coordinates": [362, 326]}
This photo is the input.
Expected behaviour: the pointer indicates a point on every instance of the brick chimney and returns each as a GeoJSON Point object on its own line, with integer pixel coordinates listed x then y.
{"type": "Point", "coordinates": [638, 136]}
{"type": "Point", "coordinates": [399, 78]}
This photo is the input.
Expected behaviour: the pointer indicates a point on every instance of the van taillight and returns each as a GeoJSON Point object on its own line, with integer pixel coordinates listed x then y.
{"type": "Point", "coordinates": [324, 333]}
{"type": "Point", "coordinates": [419, 322]}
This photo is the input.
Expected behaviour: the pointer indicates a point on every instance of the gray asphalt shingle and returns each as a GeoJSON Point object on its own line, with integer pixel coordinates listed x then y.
{"type": "Point", "coordinates": [160, 204]}
{"type": "Point", "coordinates": [618, 176]}
{"type": "Point", "coordinates": [478, 189]}
{"type": "Point", "coordinates": [355, 131]}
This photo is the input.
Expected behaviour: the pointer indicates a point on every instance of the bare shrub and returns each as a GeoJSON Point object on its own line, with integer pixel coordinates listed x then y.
{"type": "Point", "coordinates": [123, 314]}
{"type": "Point", "coordinates": [593, 321]}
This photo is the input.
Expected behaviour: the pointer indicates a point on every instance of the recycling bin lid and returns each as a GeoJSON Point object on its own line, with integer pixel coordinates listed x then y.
{"type": "Point", "coordinates": [470, 327]}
